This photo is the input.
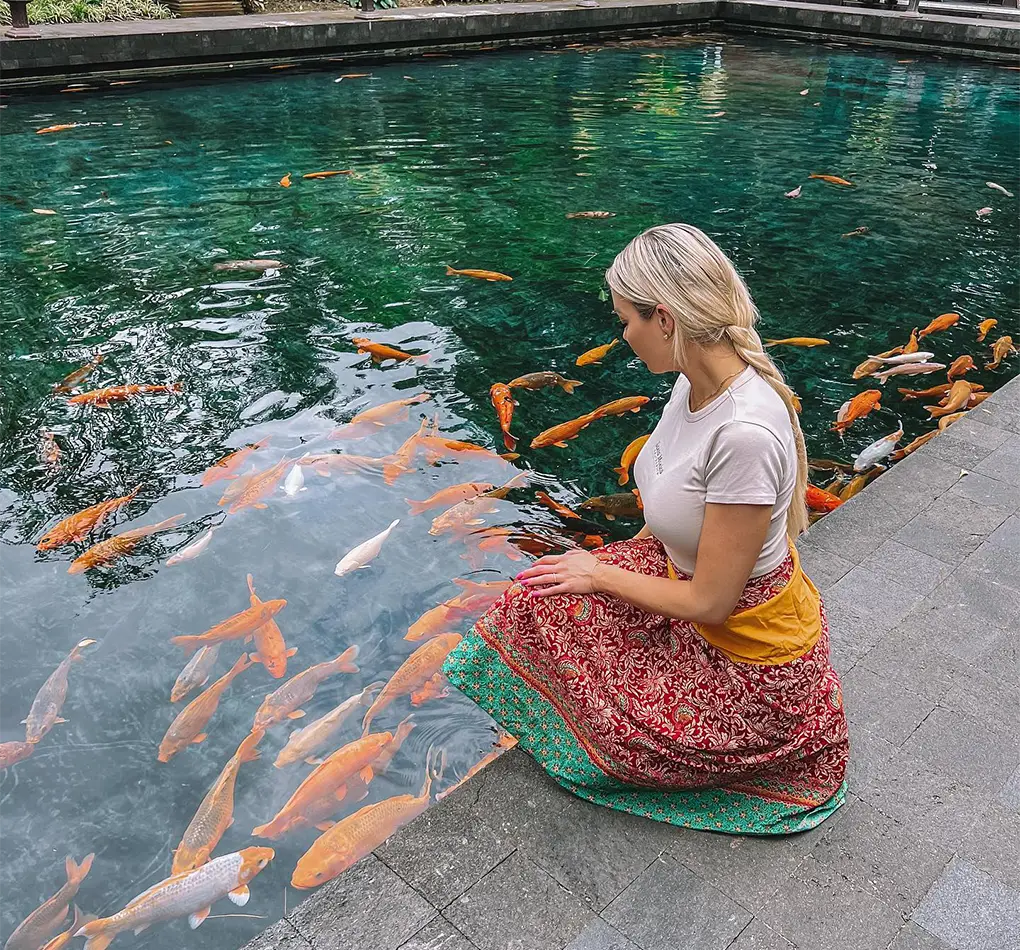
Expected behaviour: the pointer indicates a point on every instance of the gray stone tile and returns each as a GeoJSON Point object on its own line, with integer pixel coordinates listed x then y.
{"type": "Point", "coordinates": [909, 568]}
{"type": "Point", "coordinates": [757, 936]}
{"type": "Point", "coordinates": [1009, 794]}
{"type": "Point", "coordinates": [517, 906]}
{"type": "Point", "coordinates": [907, 655]}
{"type": "Point", "coordinates": [869, 755]}
{"type": "Point", "coordinates": [969, 909]}
{"type": "Point", "coordinates": [993, 843]}
{"type": "Point", "coordinates": [977, 428]}
{"type": "Point", "coordinates": [965, 748]}
{"type": "Point", "coordinates": [281, 936]}
{"type": "Point", "coordinates": [879, 855]}
{"type": "Point", "coordinates": [598, 935]}
{"type": "Point", "coordinates": [995, 564]}
{"type": "Point", "coordinates": [823, 909]}
{"type": "Point", "coordinates": [1001, 658]}
{"type": "Point", "coordinates": [747, 868]}
{"type": "Point", "coordinates": [438, 934]}
{"type": "Point", "coordinates": [592, 851]}
{"type": "Point", "coordinates": [912, 937]}
{"type": "Point", "coordinates": [951, 528]}
{"type": "Point", "coordinates": [961, 451]}
{"type": "Point", "coordinates": [887, 708]}
{"type": "Point", "coordinates": [1007, 536]}
{"type": "Point", "coordinates": [913, 484]}
{"type": "Point", "coordinates": [365, 908]}
{"type": "Point", "coordinates": [1004, 462]}
{"type": "Point", "coordinates": [823, 567]}
{"type": "Point", "coordinates": [851, 636]}
{"type": "Point", "coordinates": [935, 806]}
{"type": "Point", "coordinates": [448, 848]}
{"type": "Point", "coordinates": [873, 596]}
{"type": "Point", "coordinates": [988, 699]}
{"type": "Point", "coordinates": [858, 527]}
{"type": "Point", "coordinates": [689, 912]}
{"type": "Point", "coordinates": [992, 492]}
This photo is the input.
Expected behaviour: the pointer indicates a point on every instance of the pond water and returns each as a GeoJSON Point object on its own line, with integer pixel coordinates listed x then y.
{"type": "Point", "coordinates": [472, 162]}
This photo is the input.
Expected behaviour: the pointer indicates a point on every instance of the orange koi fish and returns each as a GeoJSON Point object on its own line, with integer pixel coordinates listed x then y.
{"type": "Point", "coordinates": [240, 625]}
{"type": "Point", "coordinates": [327, 463]}
{"type": "Point", "coordinates": [270, 649]}
{"type": "Point", "coordinates": [46, 706]}
{"type": "Point", "coordinates": [57, 128]}
{"type": "Point", "coordinates": [913, 446]}
{"type": "Point", "coordinates": [553, 505]}
{"type": "Point", "coordinates": [46, 919]}
{"type": "Point", "coordinates": [416, 676]}
{"type": "Point", "coordinates": [196, 672]}
{"type": "Point", "coordinates": [216, 813]}
{"type": "Point", "coordinates": [186, 729]}
{"type": "Point", "coordinates": [1002, 348]}
{"type": "Point", "coordinates": [960, 366]}
{"type": "Point", "coordinates": [284, 702]}
{"type": "Point", "coordinates": [120, 545]}
{"type": "Point", "coordinates": [984, 327]}
{"type": "Point", "coordinates": [77, 526]}
{"type": "Point", "coordinates": [327, 174]}
{"type": "Point", "coordinates": [285, 181]}
{"type": "Point", "coordinates": [381, 352]}
{"type": "Point", "coordinates": [504, 490]}
{"type": "Point", "coordinates": [946, 421]}
{"type": "Point", "coordinates": [356, 836]}
{"type": "Point", "coordinates": [502, 400]}
{"type": "Point", "coordinates": [911, 346]}
{"type": "Point", "coordinates": [818, 499]}
{"type": "Point", "coordinates": [619, 406]}
{"type": "Point", "coordinates": [371, 420]}
{"type": "Point", "coordinates": [976, 399]}
{"type": "Point", "coordinates": [490, 541]}
{"type": "Point", "coordinates": [473, 599]}
{"type": "Point", "coordinates": [859, 407]}
{"type": "Point", "coordinates": [401, 461]}
{"type": "Point", "coordinates": [462, 517]}
{"type": "Point", "coordinates": [449, 496]}
{"type": "Point", "coordinates": [63, 940]}
{"type": "Point", "coordinates": [833, 180]}
{"type": "Point", "coordinates": [101, 398]}
{"type": "Point", "coordinates": [433, 622]}
{"type": "Point", "coordinates": [11, 753]}
{"type": "Point", "coordinates": [477, 274]}
{"type": "Point", "coordinates": [232, 490]}
{"type": "Point", "coordinates": [229, 465]}
{"type": "Point", "coordinates": [807, 341]}
{"type": "Point", "coordinates": [595, 355]}
{"type": "Point", "coordinates": [628, 457]}
{"type": "Point", "coordinates": [859, 482]}
{"type": "Point", "coordinates": [72, 379]}
{"type": "Point", "coordinates": [259, 486]}
{"type": "Point", "coordinates": [189, 893]}
{"type": "Point", "coordinates": [541, 380]}
{"type": "Point", "coordinates": [323, 790]}
{"type": "Point", "coordinates": [437, 447]}
{"type": "Point", "coordinates": [942, 322]}
{"type": "Point", "coordinates": [304, 743]}
{"type": "Point", "coordinates": [559, 434]}
{"type": "Point", "coordinates": [622, 505]}
{"type": "Point", "coordinates": [935, 391]}
{"type": "Point", "coordinates": [501, 745]}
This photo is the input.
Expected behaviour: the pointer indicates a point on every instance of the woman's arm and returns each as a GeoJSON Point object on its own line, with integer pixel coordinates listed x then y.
{"type": "Point", "coordinates": [731, 541]}
{"type": "Point", "coordinates": [645, 532]}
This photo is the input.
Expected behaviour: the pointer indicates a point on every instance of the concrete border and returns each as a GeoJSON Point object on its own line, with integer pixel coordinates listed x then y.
{"type": "Point", "coordinates": [226, 44]}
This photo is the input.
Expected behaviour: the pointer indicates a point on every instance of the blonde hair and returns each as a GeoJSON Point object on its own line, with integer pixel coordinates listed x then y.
{"type": "Point", "coordinates": [683, 269]}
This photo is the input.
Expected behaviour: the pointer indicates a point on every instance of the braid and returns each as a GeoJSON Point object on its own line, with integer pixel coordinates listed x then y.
{"type": "Point", "coordinates": [747, 345]}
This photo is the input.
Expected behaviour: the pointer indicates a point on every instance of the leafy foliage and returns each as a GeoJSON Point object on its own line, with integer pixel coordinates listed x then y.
{"type": "Point", "coordinates": [89, 11]}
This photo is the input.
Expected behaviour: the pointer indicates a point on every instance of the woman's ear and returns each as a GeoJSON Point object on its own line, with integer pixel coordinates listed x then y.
{"type": "Point", "coordinates": [666, 322]}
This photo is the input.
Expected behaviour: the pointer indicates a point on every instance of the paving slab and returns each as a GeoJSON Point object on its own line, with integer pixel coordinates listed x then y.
{"type": "Point", "coordinates": [757, 936]}
{"type": "Point", "coordinates": [438, 934]}
{"type": "Point", "coordinates": [598, 935]}
{"type": "Point", "coordinates": [885, 707]}
{"type": "Point", "coordinates": [913, 937]}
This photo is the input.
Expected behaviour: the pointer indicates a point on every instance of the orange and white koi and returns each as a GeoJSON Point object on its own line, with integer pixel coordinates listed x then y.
{"type": "Point", "coordinates": [101, 398]}
{"type": "Point", "coordinates": [503, 402]}
{"type": "Point", "coordinates": [270, 648]}
{"type": "Point", "coordinates": [629, 457]}
{"type": "Point", "coordinates": [416, 673]}
{"type": "Point", "coordinates": [380, 352]}
{"type": "Point", "coordinates": [72, 379]}
{"type": "Point", "coordinates": [77, 526]}
{"type": "Point", "coordinates": [595, 355]}
{"type": "Point", "coordinates": [857, 408]}
{"type": "Point", "coordinates": [186, 729]}
{"type": "Point", "coordinates": [942, 322]}
{"type": "Point", "coordinates": [1001, 348]}
{"type": "Point", "coordinates": [260, 486]}
{"type": "Point", "coordinates": [371, 420]}
{"type": "Point", "coordinates": [477, 274]}
{"type": "Point", "coordinates": [196, 672]}
{"type": "Point", "coordinates": [120, 545]}
{"type": "Point", "coordinates": [878, 450]}
{"type": "Point", "coordinates": [229, 465]}
{"type": "Point", "coordinates": [190, 893]}
{"type": "Point", "coordinates": [284, 703]}
{"type": "Point", "coordinates": [984, 328]}
{"type": "Point", "coordinates": [304, 743]}
{"type": "Point", "coordinates": [46, 706]}
{"type": "Point", "coordinates": [46, 919]}
{"type": "Point", "coordinates": [818, 499]}
{"type": "Point", "coordinates": [241, 625]}
{"type": "Point", "coordinates": [449, 496]}
{"type": "Point", "coordinates": [462, 517]}
{"type": "Point", "coordinates": [216, 813]}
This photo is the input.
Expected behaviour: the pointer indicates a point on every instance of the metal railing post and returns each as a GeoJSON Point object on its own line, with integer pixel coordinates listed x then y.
{"type": "Point", "coordinates": [368, 6]}
{"type": "Point", "coordinates": [19, 20]}
{"type": "Point", "coordinates": [912, 8]}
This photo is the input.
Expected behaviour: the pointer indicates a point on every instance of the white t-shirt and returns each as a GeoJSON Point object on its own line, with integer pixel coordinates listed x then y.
{"type": "Point", "coordinates": [737, 450]}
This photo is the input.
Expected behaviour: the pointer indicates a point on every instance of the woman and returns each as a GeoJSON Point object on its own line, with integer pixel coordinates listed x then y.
{"type": "Point", "coordinates": [683, 675]}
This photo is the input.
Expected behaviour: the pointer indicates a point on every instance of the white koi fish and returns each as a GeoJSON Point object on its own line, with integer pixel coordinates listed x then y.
{"type": "Point", "coordinates": [295, 480]}
{"type": "Point", "coordinates": [992, 184]}
{"type": "Point", "coordinates": [358, 557]}
{"type": "Point", "coordinates": [901, 358]}
{"type": "Point", "coordinates": [908, 369]}
{"type": "Point", "coordinates": [189, 893]}
{"type": "Point", "coordinates": [192, 551]}
{"type": "Point", "coordinates": [878, 450]}
{"type": "Point", "coordinates": [196, 673]}
{"type": "Point", "coordinates": [305, 742]}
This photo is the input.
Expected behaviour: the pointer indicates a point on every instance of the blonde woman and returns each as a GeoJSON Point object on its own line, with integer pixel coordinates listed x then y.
{"type": "Point", "coordinates": [683, 675]}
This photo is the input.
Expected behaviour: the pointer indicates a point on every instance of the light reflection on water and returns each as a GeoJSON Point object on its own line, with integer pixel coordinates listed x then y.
{"type": "Point", "coordinates": [475, 167]}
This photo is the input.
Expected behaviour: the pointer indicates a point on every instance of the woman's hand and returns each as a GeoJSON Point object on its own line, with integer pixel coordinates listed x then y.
{"type": "Point", "coordinates": [569, 573]}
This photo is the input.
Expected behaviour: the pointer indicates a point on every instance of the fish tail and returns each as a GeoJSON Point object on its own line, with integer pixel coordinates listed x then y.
{"type": "Point", "coordinates": [417, 507]}
{"type": "Point", "coordinates": [449, 270]}
{"type": "Point", "coordinates": [169, 523]}
{"type": "Point", "coordinates": [188, 644]}
{"type": "Point", "coordinates": [247, 751]}
{"type": "Point", "coordinates": [243, 662]}
{"type": "Point", "coordinates": [624, 475]}
{"type": "Point", "coordinates": [344, 663]}
{"type": "Point", "coordinates": [509, 441]}
{"type": "Point", "coordinates": [569, 384]}
{"type": "Point", "coordinates": [614, 343]}
{"type": "Point", "coordinates": [97, 934]}
{"type": "Point", "coordinates": [76, 873]}
{"type": "Point", "coordinates": [78, 647]}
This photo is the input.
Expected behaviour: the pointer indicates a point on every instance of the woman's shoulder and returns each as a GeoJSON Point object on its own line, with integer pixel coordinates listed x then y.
{"type": "Point", "coordinates": [757, 404]}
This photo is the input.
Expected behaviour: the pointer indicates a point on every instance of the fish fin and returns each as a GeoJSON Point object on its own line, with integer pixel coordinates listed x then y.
{"type": "Point", "coordinates": [297, 714]}
{"type": "Point", "coordinates": [560, 445]}
{"type": "Point", "coordinates": [249, 638]}
{"type": "Point", "coordinates": [324, 825]}
{"type": "Point", "coordinates": [254, 657]}
{"type": "Point", "coordinates": [341, 792]}
{"type": "Point", "coordinates": [291, 652]}
{"type": "Point", "coordinates": [624, 475]}
{"type": "Point", "coordinates": [59, 719]}
{"type": "Point", "coordinates": [449, 270]}
{"type": "Point", "coordinates": [312, 760]}
{"type": "Point", "coordinates": [609, 517]}
{"type": "Point", "coordinates": [201, 737]}
{"type": "Point", "coordinates": [366, 774]}
{"type": "Point", "coordinates": [230, 821]}
{"type": "Point", "coordinates": [24, 722]}
{"type": "Point", "coordinates": [239, 895]}
{"type": "Point", "coordinates": [195, 919]}
{"type": "Point", "coordinates": [260, 505]}
{"type": "Point", "coordinates": [98, 941]}
{"type": "Point", "coordinates": [76, 873]}
{"type": "Point", "coordinates": [139, 929]}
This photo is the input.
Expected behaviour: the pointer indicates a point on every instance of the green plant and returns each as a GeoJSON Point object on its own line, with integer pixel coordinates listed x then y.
{"type": "Point", "coordinates": [89, 11]}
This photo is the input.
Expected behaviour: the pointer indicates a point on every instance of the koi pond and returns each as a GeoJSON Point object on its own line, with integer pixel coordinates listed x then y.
{"type": "Point", "coordinates": [113, 226]}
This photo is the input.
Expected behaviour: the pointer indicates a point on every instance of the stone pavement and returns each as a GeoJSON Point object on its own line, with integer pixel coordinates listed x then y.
{"type": "Point", "coordinates": [921, 575]}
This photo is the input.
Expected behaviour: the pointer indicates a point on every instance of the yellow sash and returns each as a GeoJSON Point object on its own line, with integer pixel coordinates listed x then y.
{"type": "Point", "coordinates": [777, 631]}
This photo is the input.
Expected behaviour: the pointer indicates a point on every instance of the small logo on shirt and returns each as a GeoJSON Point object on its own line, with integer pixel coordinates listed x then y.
{"type": "Point", "coordinates": [657, 456]}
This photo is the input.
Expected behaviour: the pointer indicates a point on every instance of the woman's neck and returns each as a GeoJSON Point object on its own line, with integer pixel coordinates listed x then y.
{"type": "Point", "coordinates": [710, 370]}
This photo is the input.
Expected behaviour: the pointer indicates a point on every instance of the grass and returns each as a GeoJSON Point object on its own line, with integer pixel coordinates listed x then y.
{"type": "Point", "coordinates": [88, 11]}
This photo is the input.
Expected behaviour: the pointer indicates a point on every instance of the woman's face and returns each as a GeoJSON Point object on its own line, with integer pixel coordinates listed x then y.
{"type": "Point", "coordinates": [651, 338]}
